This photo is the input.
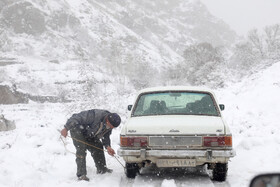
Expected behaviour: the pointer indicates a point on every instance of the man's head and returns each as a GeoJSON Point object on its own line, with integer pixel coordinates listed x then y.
{"type": "Point", "coordinates": [113, 120]}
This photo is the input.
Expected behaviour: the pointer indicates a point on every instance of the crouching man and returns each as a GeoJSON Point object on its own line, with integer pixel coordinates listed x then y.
{"type": "Point", "coordinates": [91, 127]}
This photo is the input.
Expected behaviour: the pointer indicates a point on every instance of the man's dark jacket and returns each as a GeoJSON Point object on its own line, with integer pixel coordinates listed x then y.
{"type": "Point", "coordinates": [91, 123]}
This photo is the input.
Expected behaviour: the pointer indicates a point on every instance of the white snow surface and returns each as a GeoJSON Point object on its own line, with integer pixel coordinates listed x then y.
{"type": "Point", "coordinates": [34, 155]}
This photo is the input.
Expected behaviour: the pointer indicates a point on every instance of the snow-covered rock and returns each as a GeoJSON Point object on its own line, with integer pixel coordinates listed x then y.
{"type": "Point", "coordinates": [6, 125]}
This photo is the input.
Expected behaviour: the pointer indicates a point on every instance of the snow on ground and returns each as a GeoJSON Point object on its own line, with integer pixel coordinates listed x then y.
{"type": "Point", "coordinates": [33, 154]}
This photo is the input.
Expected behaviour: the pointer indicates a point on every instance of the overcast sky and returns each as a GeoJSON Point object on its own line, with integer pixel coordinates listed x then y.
{"type": "Point", "coordinates": [243, 15]}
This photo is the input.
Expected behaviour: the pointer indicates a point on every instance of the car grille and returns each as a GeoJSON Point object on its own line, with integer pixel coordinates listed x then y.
{"type": "Point", "coordinates": [167, 141]}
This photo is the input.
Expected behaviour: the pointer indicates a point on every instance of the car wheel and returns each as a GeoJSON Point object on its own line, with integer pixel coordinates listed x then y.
{"type": "Point", "coordinates": [131, 170]}
{"type": "Point", "coordinates": [220, 171]}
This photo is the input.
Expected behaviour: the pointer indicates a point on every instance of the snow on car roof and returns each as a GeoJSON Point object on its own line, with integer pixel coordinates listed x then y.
{"type": "Point", "coordinates": [174, 88]}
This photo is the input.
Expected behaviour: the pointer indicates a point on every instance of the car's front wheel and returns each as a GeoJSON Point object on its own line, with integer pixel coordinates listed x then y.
{"type": "Point", "coordinates": [220, 171]}
{"type": "Point", "coordinates": [131, 170]}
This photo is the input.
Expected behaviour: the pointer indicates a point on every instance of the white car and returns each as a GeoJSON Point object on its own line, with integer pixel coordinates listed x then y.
{"type": "Point", "coordinates": [176, 127]}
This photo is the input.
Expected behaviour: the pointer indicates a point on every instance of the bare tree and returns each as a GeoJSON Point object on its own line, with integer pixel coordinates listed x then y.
{"type": "Point", "coordinates": [199, 54]}
{"type": "Point", "coordinates": [256, 40]}
{"type": "Point", "coordinates": [244, 55]}
{"type": "Point", "coordinates": [201, 63]}
{"type": "Point", "coordinates": [272, 34]}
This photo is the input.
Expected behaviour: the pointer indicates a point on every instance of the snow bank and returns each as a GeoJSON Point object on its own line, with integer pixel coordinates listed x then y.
{"type": "Point", "coordinates": [252, 111]}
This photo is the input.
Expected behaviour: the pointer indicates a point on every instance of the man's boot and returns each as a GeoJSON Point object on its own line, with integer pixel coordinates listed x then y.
{"type": "Point", "coordinates": [83, 177]}
{"type": "Point", "coordinates": [105, 170]}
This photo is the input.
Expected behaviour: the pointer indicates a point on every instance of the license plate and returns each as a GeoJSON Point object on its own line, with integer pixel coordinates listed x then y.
{"type": "Point", "coordinates": [176, 163]}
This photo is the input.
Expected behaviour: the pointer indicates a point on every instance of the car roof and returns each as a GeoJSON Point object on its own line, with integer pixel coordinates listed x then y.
{"type": "Point", "coordinates": [175, 88]}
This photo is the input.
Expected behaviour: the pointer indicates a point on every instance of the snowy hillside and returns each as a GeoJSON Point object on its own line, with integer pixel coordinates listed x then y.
{"type": "Point", "coordinates": [33, 154]}
{"type": "Point", "coordinates": [62, 33]}
{"type": "Point", "coordinates": [67, 30]}
{"type": "Point", "coordinates": [88, 28]}
{"type": "Point", "coordinates": [176, 23]}
{"type": "Point", "coordinates": [102, 38]}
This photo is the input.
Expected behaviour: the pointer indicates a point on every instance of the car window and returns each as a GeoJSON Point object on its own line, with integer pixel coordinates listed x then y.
{"type": "Point", "coordinates": [175, 103]}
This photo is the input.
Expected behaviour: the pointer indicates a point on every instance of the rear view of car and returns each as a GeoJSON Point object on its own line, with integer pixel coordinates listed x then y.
{"type": "Point", "coordinates": [176, 127]}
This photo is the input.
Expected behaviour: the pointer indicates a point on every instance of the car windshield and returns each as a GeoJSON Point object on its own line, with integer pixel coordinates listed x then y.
{"type": "Point", "coordinates": [175, 103]}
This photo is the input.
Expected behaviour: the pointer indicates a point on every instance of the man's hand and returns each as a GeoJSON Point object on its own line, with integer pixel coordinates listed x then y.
{"type": "Point", "coordinates": [110, 151]}
{"type": "Point", "coordinates": [64, 132]}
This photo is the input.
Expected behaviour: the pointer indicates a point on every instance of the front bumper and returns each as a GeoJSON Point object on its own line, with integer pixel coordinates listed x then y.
{"type": "Point", "coordinates": [201, 156]}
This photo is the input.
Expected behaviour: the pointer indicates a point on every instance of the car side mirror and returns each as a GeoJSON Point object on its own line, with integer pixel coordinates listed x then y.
{"type": "Point", "coordinates": [129, 107]}
{"type": "Point", "coordinates": [271, 180]}
{"type": "Point", "coordinates": [222, 106]}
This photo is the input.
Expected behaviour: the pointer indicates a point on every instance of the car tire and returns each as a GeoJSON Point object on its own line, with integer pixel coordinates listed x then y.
{"type": "Point", "coordinates": [131, 170]}
{"type": "Point", "coordinates": [220, 172]}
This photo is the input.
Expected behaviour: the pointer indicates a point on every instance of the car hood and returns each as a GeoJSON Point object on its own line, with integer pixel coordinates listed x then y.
{"type": "Point", "coordinates": [175, 125]}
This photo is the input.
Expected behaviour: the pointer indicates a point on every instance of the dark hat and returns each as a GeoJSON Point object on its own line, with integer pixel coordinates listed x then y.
{"type": "Point", "coordinates": [114, 119]}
